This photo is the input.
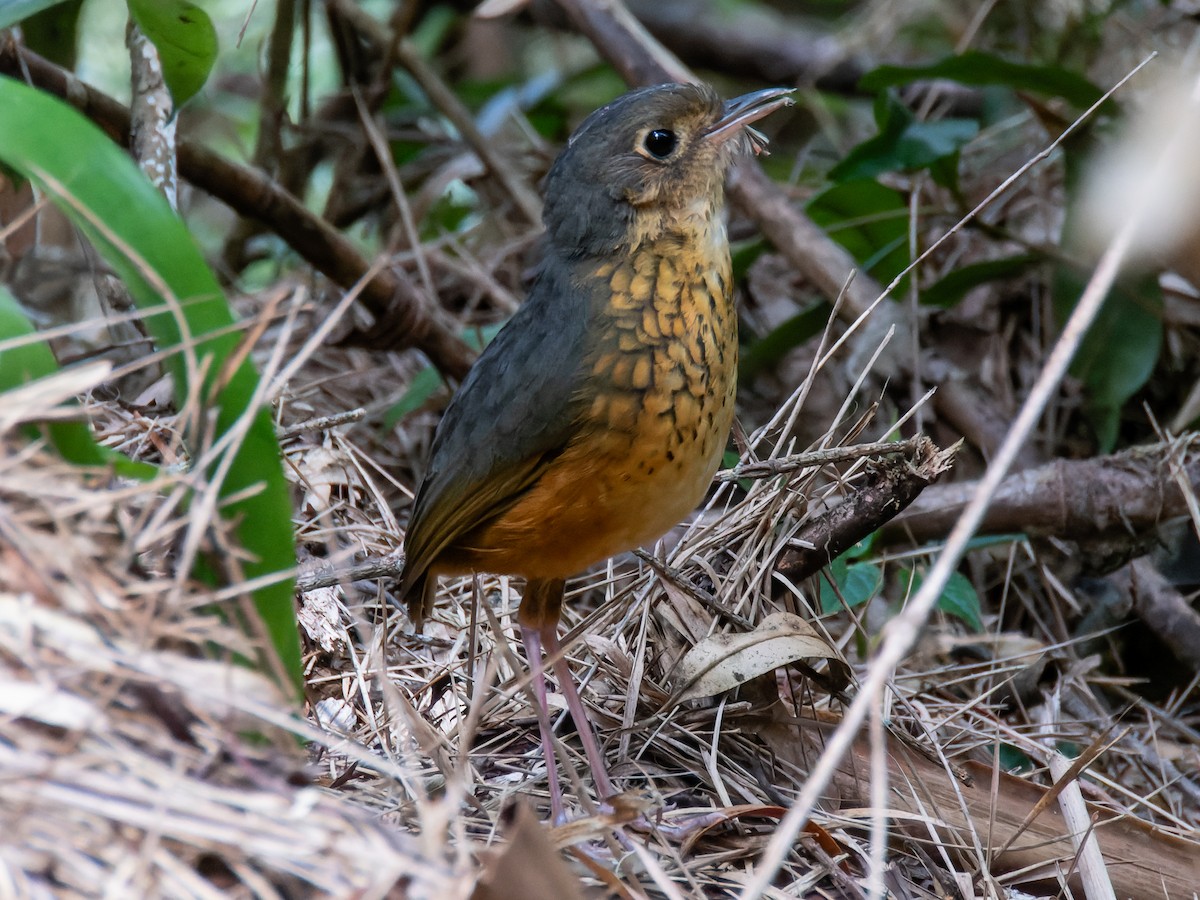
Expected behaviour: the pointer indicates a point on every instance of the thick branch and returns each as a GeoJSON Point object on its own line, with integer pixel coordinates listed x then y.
{"type": "Point", "coordinates": [1162, 608]}
{"type": "Point", "coordinates": [889, 487]}
{"type": "Point", "coordinates": [1125, 493]}
{"type": "Point", "coordinates": [765, 44]}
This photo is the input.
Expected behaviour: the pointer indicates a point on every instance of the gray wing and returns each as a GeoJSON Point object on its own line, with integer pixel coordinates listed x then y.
{"type": "Point", "coordinates": [515, 411]}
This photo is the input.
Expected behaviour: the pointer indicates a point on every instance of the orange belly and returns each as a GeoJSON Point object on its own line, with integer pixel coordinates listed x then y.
{"type": "Point", "coordinates": [599, 498]}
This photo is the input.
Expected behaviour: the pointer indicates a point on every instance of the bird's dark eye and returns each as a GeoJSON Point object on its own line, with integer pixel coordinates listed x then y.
{"type": "Point", "coordinates": [660, 143]}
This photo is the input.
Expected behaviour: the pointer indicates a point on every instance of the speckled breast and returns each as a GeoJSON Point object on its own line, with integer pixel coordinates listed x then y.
{"type": "Point", "coordinates": [654, 408]}
{"type": "Point", "coordinates": [664, 367]}
{"type": "Point", "coordinates": [660, 399]}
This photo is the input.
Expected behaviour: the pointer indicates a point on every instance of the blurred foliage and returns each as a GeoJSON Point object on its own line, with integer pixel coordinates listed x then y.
{"type": "Point", "coordinates": [905, 144]}
{"type": "Point", "coordinates": [853, 580]}
{"type": "Point", "coordinates": [186, 313]}
{"type": "Point", "coordinates": [25, 359]}
{"type": "Point", "coordinates": [1119, 353]}
{"type": "Point", "coordinates": [871, 221]}
{"type": "Point", "coordinates": [958, 597]}
{"type": "Point", "coordinates": [980, 69]}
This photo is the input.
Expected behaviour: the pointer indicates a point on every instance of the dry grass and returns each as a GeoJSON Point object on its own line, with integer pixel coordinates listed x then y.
{"type": "Point", "coordinates": [136, 763]}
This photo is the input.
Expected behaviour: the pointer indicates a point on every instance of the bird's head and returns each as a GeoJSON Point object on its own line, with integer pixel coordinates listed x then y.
{"type": "Point", "coordinates": [650, 163]}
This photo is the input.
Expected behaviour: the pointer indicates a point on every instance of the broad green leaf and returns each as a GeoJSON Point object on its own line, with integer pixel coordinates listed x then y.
{"type": "Point", "coordinates": [949, 290]}
{"type": "Point", "coordinates": [186, 42]}
{"type": "Point", "coordinates": [13, 11]}
{"type": "Point", "coordinates": [785, 337]}
{"type": "Point", "coordinates": [138, 234]}
{"type": "Point", "coordinates": [452, 213]}
{"type": "Point", "coordinates": [977, 68]}
{"type": "Point", "coordinates": [835, 572]}
{"type": "Point", "coordinates": [958, 597]}
{"type": "Point", "coordinates": [857, 583]}
{"type": "Point", "coordinates": [427, 381]}
{"type": "Point", "coordinates": [862, 548]}
{"type": "Point", "coordinates": [995, 540]}
{"type": "Point", "coordinates": [1014, 760]}
{"type": "Point", "coordinates": [1119, 352]}
{"type": "Point", "coordinates": [870, 221]}
{"type": "Point", "coordinates": [903, 143]}
{"type": "Point", "coordinates": [960, 600]}
{"type": "Point", "coordinates": [423, 386]}
{"type": "Point", "coordinates": [1069, 749]}
{"type": "Point", "coordinates": [28, 360]}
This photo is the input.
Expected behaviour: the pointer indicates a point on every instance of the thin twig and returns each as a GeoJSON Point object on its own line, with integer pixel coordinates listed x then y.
{"type": "Point", "coordinates": [784, 464]}
{"type": "Point", "coordinates": [322, 423]}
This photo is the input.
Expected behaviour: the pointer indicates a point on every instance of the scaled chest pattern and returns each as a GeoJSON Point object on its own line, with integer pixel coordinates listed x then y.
{"type": "Point", "coordinates": [663, 373]}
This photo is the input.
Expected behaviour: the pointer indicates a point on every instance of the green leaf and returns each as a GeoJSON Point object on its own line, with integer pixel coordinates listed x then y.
{"type": "Point", "coordinates": [138, 234]}
{"type": "Point", "coordinates": [1119, 352]}
{"type": "Point", "coordinates": [730, 459]}
{"type": "Point", "coordinates": [781, 340]}
{"type": "Point", "coordinates": [423, 386]}
{"type": "Point", "coordinates": [1014, 760]}
{"type": "Point", "coordinates": [870, 221]}
{"type": "Point", "coordinates": [903, 143]}
{"type": "Point", "coordinates": [427, 381]}
{"type": "Point", "coordinates": [977, 68]}
{"type": "Point", "coordinates": [857, 583]}
{"type": "Point", "coordinates": [1069, 749]}
{"type": "Point", "coordinates": [433, 29]}
{"type": "Point", "coordinates": [27, 360]}
{"type": "Point", "coordinates": [960, 600]}
{"type": "Point", "coordinates": [835, 574]}
{"type": "Point", "coordinates": [994, 540]}
{"type": "Point", "coordinates": [186, 42]}
{"type": "Point", "coordinates": [948, 291]}
{"type": "Point", "coordinates": [862, 548]}
{"type": "Point", "coordinates": [13, 11]}
{"type": "Point", "coordinates": [743, 255]}
{"type": "Point", "coordinates": [958, 597]}
{"type": "Point", "coordinates": [453, 212]}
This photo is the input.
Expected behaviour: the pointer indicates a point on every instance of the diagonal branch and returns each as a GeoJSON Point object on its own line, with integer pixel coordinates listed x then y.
{"type": "Point", "coordinates": [411, 320]}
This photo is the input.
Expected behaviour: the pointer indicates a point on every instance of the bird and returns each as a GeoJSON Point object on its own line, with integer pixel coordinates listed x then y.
{"type": "Point", "coordinates": [595, 420]}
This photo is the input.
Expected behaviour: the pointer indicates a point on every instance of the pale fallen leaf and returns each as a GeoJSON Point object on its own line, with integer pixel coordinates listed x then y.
{"type": "Point", "coordinates": [320, 615]}
{"type": "Point", "coordinates": [723, 661]}
{"type": "Point", "coordinates": [47, 704]}
{"type": "Point", "coordinates": [324, 471]}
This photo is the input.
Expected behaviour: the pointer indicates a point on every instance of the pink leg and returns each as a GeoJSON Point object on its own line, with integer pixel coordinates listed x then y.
{"type": "Point", "coordinates": [566, 683]}
{"type": "Point", "coordinates": [533, 649]}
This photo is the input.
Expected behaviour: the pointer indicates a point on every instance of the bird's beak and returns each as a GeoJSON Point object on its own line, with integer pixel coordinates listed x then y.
{"type": "Point", "coordinates": [741, 111]}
